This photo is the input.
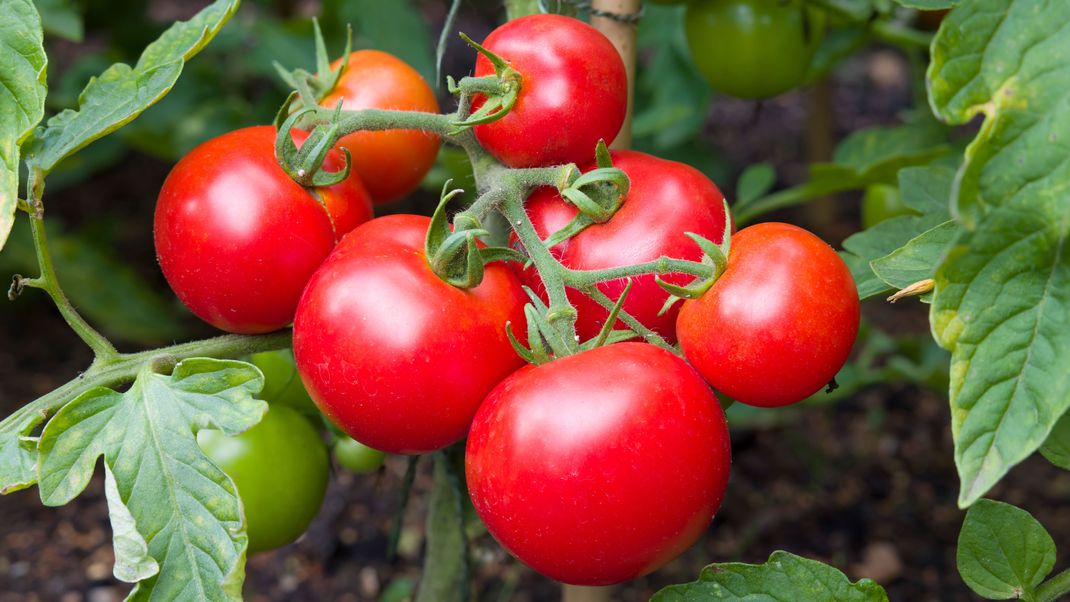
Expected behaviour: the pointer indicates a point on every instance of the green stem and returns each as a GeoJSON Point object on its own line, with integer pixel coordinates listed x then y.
{"type": "Point", "coordinates": [795, 195]}
{"type": "Point", "coordinates": [102, 348]}
{"type": "Point", "coordinates": [900, 35]}
{"type": "Point", "coordinates": [487, 84]}
{"type": "Point", "coordinates": [562, 316]}
{"type": "Point", "coordinates": [383, 119]}
{"type": "Point", "coordinates": [1054, 588]}
{"type": "Point", "coordinates": [583, 279]}
{"type": "Point", "coordinates": [483, 206]}
{"type": "Point", "coordinates": [123, 367]}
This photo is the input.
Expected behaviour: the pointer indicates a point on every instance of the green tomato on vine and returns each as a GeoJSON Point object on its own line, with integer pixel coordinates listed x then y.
{"type": "Point", "coordinates": [281, 469]}
{"type": "Point", "coordinates": [282, 383]}
{"type": "Point", "coordinates": [882, 202]}
{"type": "Point", "coordinates": [354, 456]}
{"type": "Point", "coordinates": [753, 48]}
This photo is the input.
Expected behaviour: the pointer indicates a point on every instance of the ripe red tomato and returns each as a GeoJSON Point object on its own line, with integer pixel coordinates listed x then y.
{"type": "Point", "coordinates": [666, 200]}
{"type": "Point", "coordinates": [574, 91]}
{"type": "Point", "coordinates": [391, 163]}
{"type": "Point", "coordinates": [599, 467]}
{"type": "Point", "coordinates": [779, 323]}
{"type": "Point", "coordinates": [237, 239]}
{"type": "Point", "coordinates": [393, 355]}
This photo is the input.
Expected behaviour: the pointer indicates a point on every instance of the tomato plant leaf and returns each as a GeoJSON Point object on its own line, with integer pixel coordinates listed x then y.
{"type": "Point", "coordinates": [1002, 297]}
{"type": "Point", "coordinates": [61, 19]}
{"type": "Point", "coordinates": [1057, 448]}
{"type": "Point", "coordinates": [926, 190]}
{"type": "Point", "coordinates": [1003, 551]}
{"type": "Point", "coordinates": [1002, 307]}
{"type": "Point", "coordinates": [18, 450]}
{"type": "Point", "coordinates": [1006, 61]}
{"type": "Point", "coordinates": [916, 260]}
{"type": "Point", "coordinates": [22, 101]}
{"type": "Point", "coordinates": [783, 577]}
{"type": "Point", "coordinates": [875, 155]}
{"type": "Point", "coordinates": [132, 560]}
{"type": "Point", "coordinates": [446, 565]}
{"type": "Point", "coordinates": [169, 503]}
{"type": "Point", "coordinates": [755, 181]}
{"type": "Point", "coordinates": [121, 92]}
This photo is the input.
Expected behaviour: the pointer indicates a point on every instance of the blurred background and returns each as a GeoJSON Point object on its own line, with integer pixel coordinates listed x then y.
{"type": "Point", "coordinates": [863, 478]}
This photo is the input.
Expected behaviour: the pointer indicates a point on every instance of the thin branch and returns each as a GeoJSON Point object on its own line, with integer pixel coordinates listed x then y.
{"type": "Point", "coordinates": [102, 348]}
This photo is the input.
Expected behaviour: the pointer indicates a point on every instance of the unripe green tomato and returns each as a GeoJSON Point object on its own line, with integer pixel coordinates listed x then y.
{"type": "Point", "coordinates": [882, 202]}
{"type": "Point", "coordinates": [753, 48]}
{"type": "Point", "coordinates": [354, 456]}
{"type": "Point", "coordinates": [280, 467]}
{"type": "Point", "coordinates": [282, 383]}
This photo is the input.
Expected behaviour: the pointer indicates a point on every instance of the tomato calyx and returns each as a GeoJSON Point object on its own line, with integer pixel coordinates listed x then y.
{"type": "Point", "coordinates": [454, 254]}
{"type": "Point", "coordinates": [498, 92]}
{"type": "Point", "coordinates": [597, 194]}
{"type": "Point", "coordinates": [713, 255]}
{"type": "Point", "coordinates": [304, 165]}
{"type": "Point", "coordinates": [314, 87]}
{"type": "Point", "coordinates": [545, 341]}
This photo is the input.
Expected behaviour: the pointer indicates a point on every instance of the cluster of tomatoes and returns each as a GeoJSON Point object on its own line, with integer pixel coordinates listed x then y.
{"type": "Point", "coordinates": [592, 468]}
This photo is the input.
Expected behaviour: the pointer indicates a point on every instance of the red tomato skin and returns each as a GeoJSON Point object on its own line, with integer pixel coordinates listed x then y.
{"type": "Point", "coordinates": [395, 357]}
{"type": "Point", "coordinates": [391, 163]}
{"type": "Point", "coordinates": [779, 323]}
{"type": "Point", "coordinates": [666, 199]}
{"type": "Point", "coordinates": [573, 92]}
{"type": "Point", "coordinates": [237, 239]}
{"type": "Point", "coordinates": [599, 467]}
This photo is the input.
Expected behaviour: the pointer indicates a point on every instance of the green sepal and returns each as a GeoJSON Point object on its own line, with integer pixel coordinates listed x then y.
{"type": "Point", "coordinates": [607, 328]}
{"type": "Point", "coordinates": [312, 88]}
{"type": "Point", "coordinates": [492, 254]}
{"type": "Point", "coordinates": [616, 336]}
{"type": "Point", "coordinates": [498, 103]}
{"type": "Point", "coordinates": [454, 256]}
{"type": "Point", "coordinates": [587, 206]}
{"type": "Point", "coordinates": [602, 156]}
{"type": "Point", "coordinates": [281, 117]}
{"type": "Point", "coordinates": [501, 66]}
{"type": "Point", "coordinates": [535, 339]}
{"type": "Point", "coordinates": [574, 227]}
{"type": "Point", "coordinates": [595, 179]}
{"type": "Point", "coordinates": [590, 210]}
{"type": "Point", "coordinates": [693, 291]}
{"type": "Point", "coordinates": [305, 165]}
{"type": "Point", "coordinates": [298, 81]}
{"type": "Point", "coordinates": [520, 349]}
{"type": "Point", "coordinates": [439, 229]}
{"type": "Point", "coordinates": [543, 319]}
{"type": "Point", "coordinates": [715, 253]}
{"type": "Point", "coordinates": [474, 265]}
{"type": "Point", "coordinates": [672, 300]}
